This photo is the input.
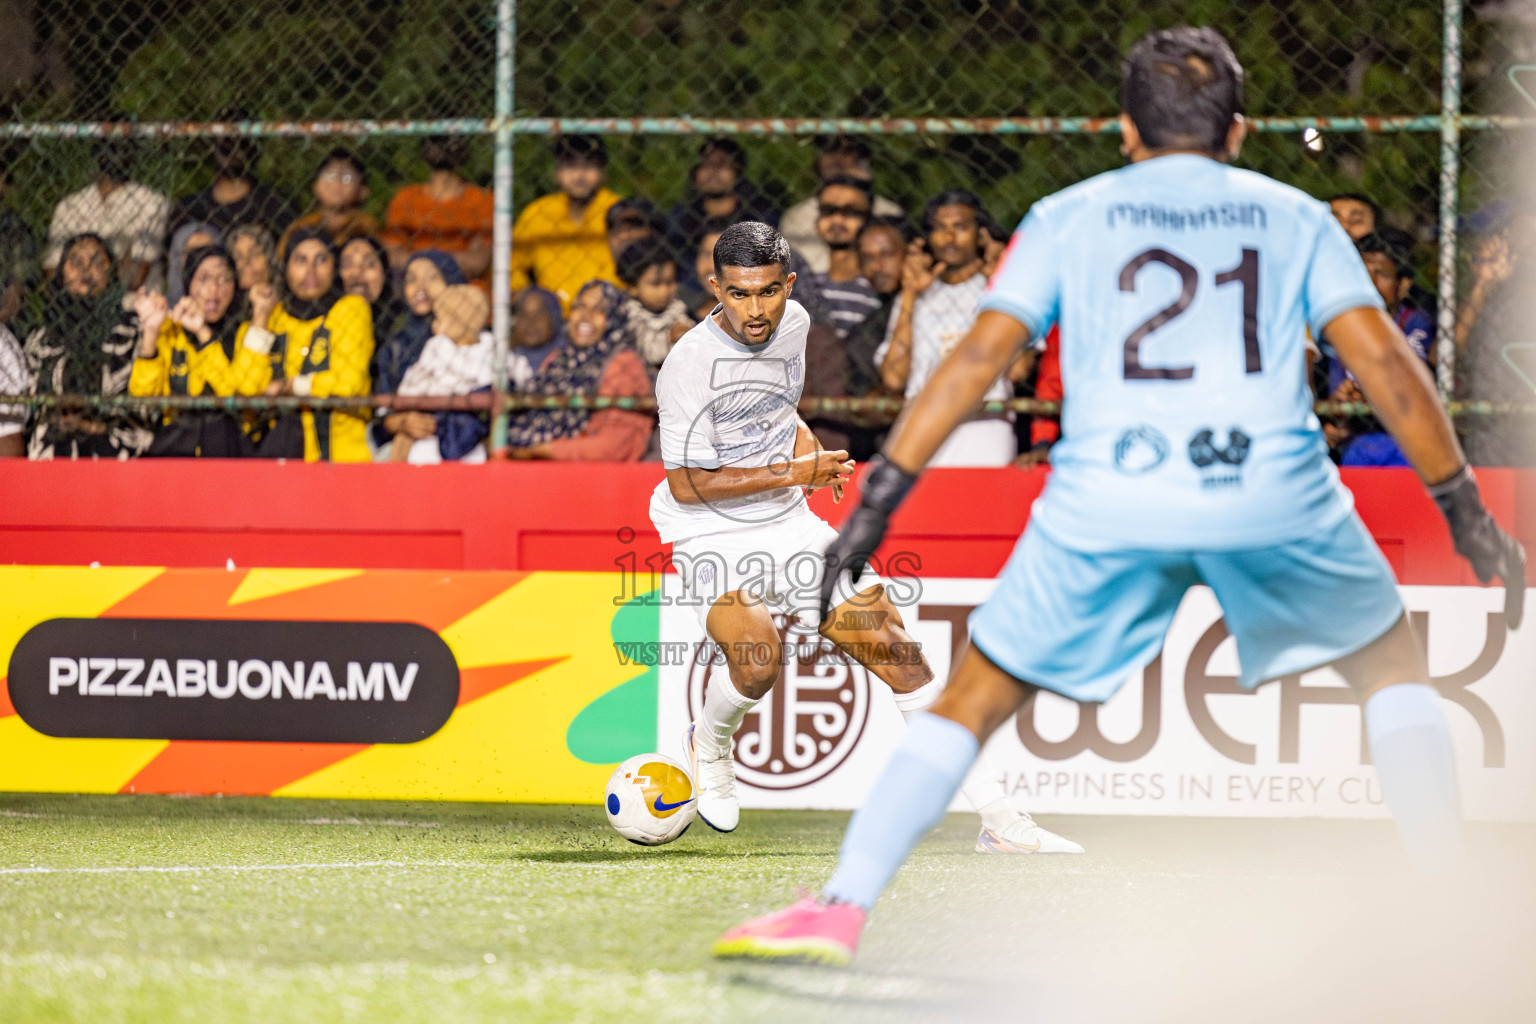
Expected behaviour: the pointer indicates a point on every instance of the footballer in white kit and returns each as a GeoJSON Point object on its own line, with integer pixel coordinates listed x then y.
{"type": "Point", "coordinates": [739, 463]}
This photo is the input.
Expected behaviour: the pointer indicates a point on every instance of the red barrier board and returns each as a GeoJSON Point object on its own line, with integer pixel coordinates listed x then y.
{"type": "Point", "coordinates": [555, 516]}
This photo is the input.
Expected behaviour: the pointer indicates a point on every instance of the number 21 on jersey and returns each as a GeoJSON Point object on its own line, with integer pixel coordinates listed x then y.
{"type": "Point", "coordinates": [1245, 274]}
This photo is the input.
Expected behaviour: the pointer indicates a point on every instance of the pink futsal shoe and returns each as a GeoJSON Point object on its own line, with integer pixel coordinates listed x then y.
{"type": "Point", "coordinates": [807, 933]}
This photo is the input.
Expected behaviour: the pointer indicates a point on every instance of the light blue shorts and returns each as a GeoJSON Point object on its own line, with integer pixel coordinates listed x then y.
{"type": "Point", "coordinates": [1079, 623]}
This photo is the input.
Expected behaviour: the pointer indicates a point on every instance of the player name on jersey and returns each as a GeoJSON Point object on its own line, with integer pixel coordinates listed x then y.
{"type": "Point", "coordinates": [1172, 218]}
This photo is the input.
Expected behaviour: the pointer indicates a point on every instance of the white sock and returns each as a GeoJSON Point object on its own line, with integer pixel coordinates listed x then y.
{"type": "Point", "coordinates": [921, 699]}
{"type": "Point", "coordinates": [1416, 765]}
{"type": "Point", "coordinates": [724, 708]}
{"type": "Point", "coordinates": [983, 786]}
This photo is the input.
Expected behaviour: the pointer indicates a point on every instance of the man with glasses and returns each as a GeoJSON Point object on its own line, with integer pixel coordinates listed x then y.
{"type": "Point", "coordinates": [844, 299]}
{"type": "Point", "coordinates": [836, 155]}
{"type": "Point", "coordinates": [340, 191]}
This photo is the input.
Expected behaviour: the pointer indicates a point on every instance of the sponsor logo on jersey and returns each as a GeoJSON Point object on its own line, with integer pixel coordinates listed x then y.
{"type": "Point", "coordinates": [1220, 465]}
{"type": "Point", "coordinates": [1140, 449]}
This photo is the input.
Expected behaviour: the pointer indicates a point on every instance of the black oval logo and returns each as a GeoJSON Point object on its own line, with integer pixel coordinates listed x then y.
{"type": "Point", "coordinates": [234, 679]}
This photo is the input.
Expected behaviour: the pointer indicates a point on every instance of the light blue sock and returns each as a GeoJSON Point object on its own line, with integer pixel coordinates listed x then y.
{"type": "Point", "coordinates": [908, 799]}
{"type": "Point", "coordinates": [1416, 764]}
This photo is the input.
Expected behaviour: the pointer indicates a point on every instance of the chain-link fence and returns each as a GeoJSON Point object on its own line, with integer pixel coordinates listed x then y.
{"type": "Point", "coordinates": [221, 113]}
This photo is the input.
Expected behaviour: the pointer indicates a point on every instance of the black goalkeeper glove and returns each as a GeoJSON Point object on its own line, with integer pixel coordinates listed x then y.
{"type": "Point", "coordinates": [884, 486]}
{"type": "Point", "coordinates": [1482, 542]}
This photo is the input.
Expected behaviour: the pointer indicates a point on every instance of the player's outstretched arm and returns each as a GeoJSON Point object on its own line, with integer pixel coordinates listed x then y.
{"type": "Point", "coordinates": [949, 397]}
{"type": "Point", "coordinates": [1398, 386]}
{"type": "Point", "coordinates": [815, 469]}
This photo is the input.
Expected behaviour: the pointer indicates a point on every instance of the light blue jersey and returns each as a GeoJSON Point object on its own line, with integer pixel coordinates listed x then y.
{"type": "Point", "coordinates": [1184, 289]}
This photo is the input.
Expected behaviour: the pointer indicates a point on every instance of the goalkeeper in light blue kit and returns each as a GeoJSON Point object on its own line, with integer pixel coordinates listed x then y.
{"type": "Point", "coordinates": [1189, 455]}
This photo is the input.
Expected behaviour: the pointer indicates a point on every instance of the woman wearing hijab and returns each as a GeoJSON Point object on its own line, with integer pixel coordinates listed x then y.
{"type": "Point", "coordinates": [255, 255]}
{"type": "Point", "coordinates": [536, 332]}
{"type": "Point", "coordinates": [317, 342]}
{"type": "Point", "coordinates": [596, 358]}
{"type": "Point", "coordinates": [195, 235]}
{"type": "Point", "coordinates": [85, 347]}
{"type": "Point", "coordinates": [427, 274]}
{"type": "Point", "coordinates": [195, 347]}
{"type": "Point", "coordinates": [364, 269]}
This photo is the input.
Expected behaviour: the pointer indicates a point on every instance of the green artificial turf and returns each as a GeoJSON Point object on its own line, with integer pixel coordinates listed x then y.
{"type": "Point", "coordinates": [303, 910]}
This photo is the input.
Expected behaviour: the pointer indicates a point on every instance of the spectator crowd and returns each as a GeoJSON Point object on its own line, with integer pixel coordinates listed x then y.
{"type": "Point", "coordinates": [231, 291]}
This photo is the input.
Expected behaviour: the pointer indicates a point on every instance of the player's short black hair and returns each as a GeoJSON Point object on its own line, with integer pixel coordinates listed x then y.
{"type": "Point", "coordinates": [585, 149]}
{"type": "Point", "coordinates": [342, 155]}
{"type": "Point", "coordinates": [861, 185]}
{"type": "Point", "coordinates": [444, 152]}
{"type": "Point", "coordinates": [751, 244]}
{"type": "Point", "coordinates": [1360, 197]}
{"type": "Point", "coordinates": [638, 257]}
{"type": "Point", "coordinates": [957, 197]}
{"type": "Point", "coordinates": [1182, 87]}
{"type": "Point", "coordinates": [635, 210]}
{"type": "Point", "coordinates": [899, 224]}
{"type": "Point", "coordinates": [1395, 244]}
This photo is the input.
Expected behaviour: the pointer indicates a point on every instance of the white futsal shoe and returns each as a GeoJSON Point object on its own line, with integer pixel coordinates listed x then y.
{"type": "Point", "coordinates": [1022, 836]}
{"type": "Point", "coordinates": [714, 777]}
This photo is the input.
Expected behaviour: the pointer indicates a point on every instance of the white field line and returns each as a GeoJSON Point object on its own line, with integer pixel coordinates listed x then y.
{"type": "Point", "coordinates": [189, 868]}
{"type": "Point", "coordinates": [391, 823]}
{"type": "Point", "coordinates": [366, 822]}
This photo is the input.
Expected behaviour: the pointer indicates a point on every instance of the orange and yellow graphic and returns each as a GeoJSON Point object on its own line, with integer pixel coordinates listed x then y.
{"type": "Point", "coordinates": [545, 708]}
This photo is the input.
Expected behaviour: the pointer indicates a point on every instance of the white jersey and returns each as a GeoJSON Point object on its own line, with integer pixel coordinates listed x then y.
{"type": "Point", "coordinates": [941, 317]}
{"type": "Point", "coordinates": [722, 403]}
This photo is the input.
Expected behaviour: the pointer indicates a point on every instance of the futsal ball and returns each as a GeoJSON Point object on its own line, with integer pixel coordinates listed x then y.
{"type": "Point", "coordinates": [650, 800]}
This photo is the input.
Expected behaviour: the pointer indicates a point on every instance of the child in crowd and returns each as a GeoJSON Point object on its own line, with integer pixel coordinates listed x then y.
{"type": "Point", "coordinates": [657, 318]}
{"type": "Point", "coordinates": [340, 189]}
{"type": "Point", "coordinates": [456, 361]}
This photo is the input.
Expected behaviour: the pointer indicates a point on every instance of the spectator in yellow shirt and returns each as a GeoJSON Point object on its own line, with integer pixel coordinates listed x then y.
{"type": "Point", "coordinates": [317, 342]}
{"type": "Point", "coordinates": [195, 348]}
{"type": "Point", "coordinates": [560, 242]}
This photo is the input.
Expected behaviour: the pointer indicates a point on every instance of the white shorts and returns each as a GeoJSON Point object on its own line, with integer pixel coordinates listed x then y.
{"type": "Point", "coordinates": [780, 563]}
